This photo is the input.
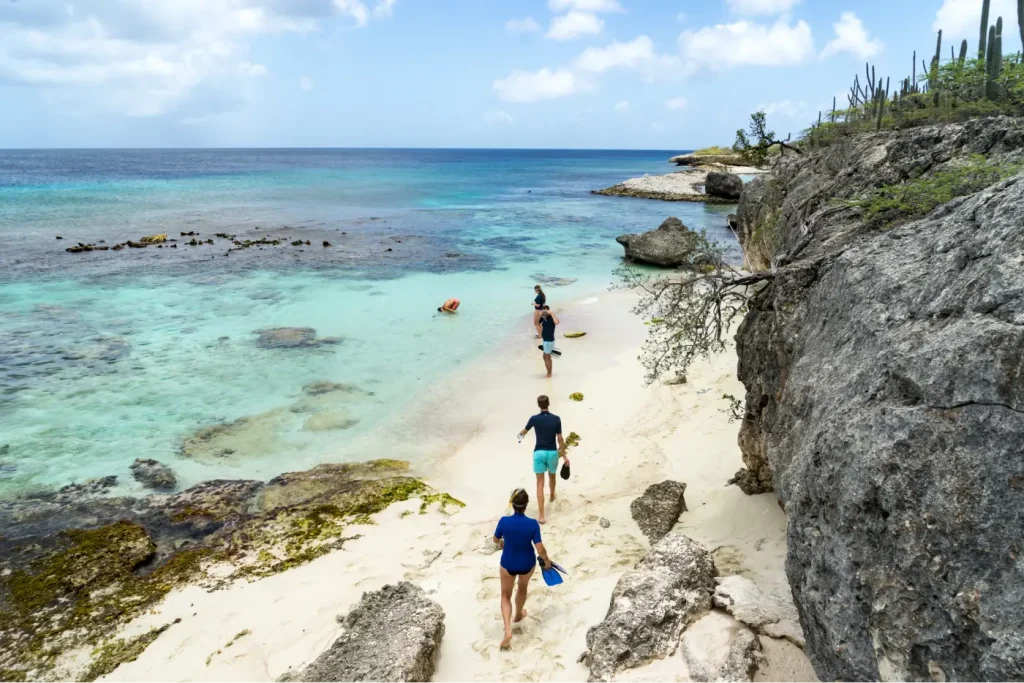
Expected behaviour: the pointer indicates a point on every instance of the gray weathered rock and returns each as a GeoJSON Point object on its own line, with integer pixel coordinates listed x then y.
{"type": "Point", "coordinates": [671, 245]}
{"type": "Point", "coordinates": [885, 403]}
{"type": "Point", "coordinates": [658, 509]}
{"type": "Point", "coordinates": [698, 160]}
{"type": "Point", "coordinates": [651, 606]}
{"type": "Point", "coordinates": [391, 635]}
{"type": "Point", "coordinates": [154, 474]}
{"type": "Point", "coordinates": [719, 648]}
{"type": "Point", "coordinates": [769, 613]}
{"type": "Point", "coordinates": [724, 185]}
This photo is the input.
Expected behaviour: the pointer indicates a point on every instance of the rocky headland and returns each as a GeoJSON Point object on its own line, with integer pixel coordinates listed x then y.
{"type": "Point", "coordinates": [690, 185]}
{"type": "Point", "coordinates": [884, 367]}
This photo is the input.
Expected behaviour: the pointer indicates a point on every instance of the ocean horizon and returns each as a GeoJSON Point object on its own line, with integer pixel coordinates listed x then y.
{"type": "Point", "coordinates": [109, 356]}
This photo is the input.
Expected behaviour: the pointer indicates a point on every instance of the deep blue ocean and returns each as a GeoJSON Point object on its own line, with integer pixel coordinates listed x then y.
{"type": "Point", "coordinates": [108, 356]}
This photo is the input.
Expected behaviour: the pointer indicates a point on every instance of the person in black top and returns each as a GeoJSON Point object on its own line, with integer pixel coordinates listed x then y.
{"type": "Point", "coordinates": [548, 321]}
{"type": "Point", "coordinates": [538, 304]}
{"type": "Point", "coordinates": [548, 428]}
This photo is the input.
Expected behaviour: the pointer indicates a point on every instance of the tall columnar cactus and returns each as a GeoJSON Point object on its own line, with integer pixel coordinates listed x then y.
{"type": "Point", "coordinates": [963, 47]}
{"type": "Point", "coordinates": [1020, 19]}
{"type": "Point", "coordinates": [992, 64]}
{"type": "Point", "coordinates": [933, 71]}
{"type": "Point", "coordinates": [882, 97]}
{"type": "Point", "coordinates": [982, 44]}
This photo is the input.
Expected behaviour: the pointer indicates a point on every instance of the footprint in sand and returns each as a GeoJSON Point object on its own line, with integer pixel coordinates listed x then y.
{"type": "Point", "coordinates": [729, 560]}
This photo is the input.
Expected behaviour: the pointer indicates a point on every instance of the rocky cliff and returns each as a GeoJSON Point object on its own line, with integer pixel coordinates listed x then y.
{"type": "Point", "coordinates": [884, 367]}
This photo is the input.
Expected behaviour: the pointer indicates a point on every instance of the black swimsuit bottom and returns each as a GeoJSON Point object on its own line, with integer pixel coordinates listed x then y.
{"type": "Point", "coordinates": [522, 573]}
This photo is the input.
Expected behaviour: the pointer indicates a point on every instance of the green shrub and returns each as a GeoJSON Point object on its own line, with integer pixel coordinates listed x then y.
{"type": "Point", "coordinates": [891, 204]}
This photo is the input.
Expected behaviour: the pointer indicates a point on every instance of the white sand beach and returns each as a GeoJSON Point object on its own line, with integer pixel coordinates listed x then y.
{"type": "Point", "coordinates": [631, 436]}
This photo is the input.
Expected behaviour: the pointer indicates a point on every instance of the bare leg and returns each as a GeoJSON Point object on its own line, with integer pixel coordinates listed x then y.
{"type": "Point", "coordinates": [524, 582]}
{"type": "Point", "coordinates": [552, 480]}
{"type": "Point", "coordinates": [540, 498]}
{"type": "Point", "coordinates": [507, 582]}
{"type": "Point", "coordinates": [547, 363]}
{"type": "Point", "coordinates": [536, 322]}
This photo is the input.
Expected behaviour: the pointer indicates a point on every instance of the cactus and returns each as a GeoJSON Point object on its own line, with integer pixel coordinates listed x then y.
{"type": "Point", "coordinates": [834, 103]}
{"type": "Point", "coordinates": [982, 46]}
{"type": "Point", "coordinates": [1020, 19]}
{"type": "Point", "coordinates": [913, 74]}
{"type": "Point", "coordinates": [882, 97]}
{"type": "Point", "coordinates": [963, 47]}
{"type": "Point", "coordinates": [933, 71]}
{"type": "Point", "coordinates": [991, 72]}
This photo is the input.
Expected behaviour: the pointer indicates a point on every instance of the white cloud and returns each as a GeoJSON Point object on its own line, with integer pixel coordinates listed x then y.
{"type": "Point", "coordinates": [676, 103]}
{"type": "Point", "coordinates": [498, 117]}
{"type": "Point", "coordinates": [622, 106]}
{"type": "Point", "coordinates": [852, 37]}
{"type": "Point", "coordinates": [761, 7]}
{"type": "Point", "coordinates": [747, 44]}
{"type": "Point", "coordinates": [681, 16]}
{"type": "Point", "coordinates": [786, 108]}
{"type": "Point", "coordinates": [385, 8]}
{"type": "Point", "coordinates": [306, 83]}
{"type": "Point", "coordinates": [249, 69]}
{"type": "Point", "coordinates": [961, 19]}
{"type": "Point", "coordinates": [142, 58]}
{"type": "Point", "coordinates": [355, 9]}
{"type": "Point", "coordinates": [585, 5]}
{"type": "Point", "coordinates": [573, 25]}
{"type": "Point", "coordinates": [521, 26]}
{"type": "Point", "coordinates": [637, 54]}
{"type": "Point", "coordinates": [523, 86]}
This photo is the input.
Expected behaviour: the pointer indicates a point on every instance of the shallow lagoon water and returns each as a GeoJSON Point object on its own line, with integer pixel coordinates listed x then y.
{"type": "Point", "coordinates": [111, 356]}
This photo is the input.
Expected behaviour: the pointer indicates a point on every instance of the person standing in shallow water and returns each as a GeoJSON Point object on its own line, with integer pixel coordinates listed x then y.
{"type": "Point", "coordinates": [517, 535]}
{"type": "Point", "coordinates": [548, 321]}
{"type": "Point", "coordinates": [548, 428]}
{"type": "Point", "coordinates": [538, 306]}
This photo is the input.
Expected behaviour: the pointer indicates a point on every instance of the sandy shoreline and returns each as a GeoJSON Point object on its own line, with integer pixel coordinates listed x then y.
{"type": "Point", "coordinates": [631, 436]}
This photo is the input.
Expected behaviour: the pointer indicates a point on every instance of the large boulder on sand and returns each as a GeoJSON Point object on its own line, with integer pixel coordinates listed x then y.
{"type": "Point", "coordinates": [670, 246]}
{"type": "Point", "coordinates": [651, 606]}
{"type": "Point", "coordinates": [724, 185]}
{"type": "Point", "coordinates": [719, 648]}
{"type": "Point", "coordinates": [658, 509]}
{"type": "Point", "coordinates": [391, 635]}
{"type": "Point", "coordinates": [154, 474]}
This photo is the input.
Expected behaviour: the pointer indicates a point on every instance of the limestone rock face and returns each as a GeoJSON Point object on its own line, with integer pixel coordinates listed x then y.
{"type": "Point", "coordinates": [658, 509]}
{"type": "Point", "coordinates": [391, 635]}
{"type": "Point", "coordinates": [885, 404]}
{"type": "Point", "coordinates": [718, 648]}
{"type": "Point", "coordinates": [669, 246]}
{"type": "Point", "coordinates": [724, 185]}
{"type": "Point", "coordinates": [651, 606]}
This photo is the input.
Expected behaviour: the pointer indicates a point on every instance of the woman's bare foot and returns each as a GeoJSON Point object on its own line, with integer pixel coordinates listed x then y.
{"type": "Point", "coordinates": [552, 498]}
{"type": "Point", "coordinates": [505, 644]}
{"type": "Point", "coordinates": [542, 520]}
{"type": "Point", "coordinates": [522, 615]}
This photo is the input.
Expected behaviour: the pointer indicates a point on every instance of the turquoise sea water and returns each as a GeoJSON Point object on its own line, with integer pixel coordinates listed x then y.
{"type": "Point", "coordinates": [110, 356]}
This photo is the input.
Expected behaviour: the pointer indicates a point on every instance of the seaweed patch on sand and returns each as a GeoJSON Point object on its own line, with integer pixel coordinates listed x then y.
{"type": "Point", "coordinates": [70, 588]}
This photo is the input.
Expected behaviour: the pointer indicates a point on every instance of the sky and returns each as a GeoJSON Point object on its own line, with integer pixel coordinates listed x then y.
{"type": "Point", "coordinates": [601, 74]}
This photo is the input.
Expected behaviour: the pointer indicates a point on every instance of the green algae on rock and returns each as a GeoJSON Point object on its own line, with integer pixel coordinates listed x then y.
{"type": "Point", "coordinates": [112, 655]}
{"type": "Point", "coordinates": [442, 499]}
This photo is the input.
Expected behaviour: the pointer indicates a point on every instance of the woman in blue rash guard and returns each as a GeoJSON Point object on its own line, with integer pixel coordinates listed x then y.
{"type": "Point", "coordinates": [517, 535]}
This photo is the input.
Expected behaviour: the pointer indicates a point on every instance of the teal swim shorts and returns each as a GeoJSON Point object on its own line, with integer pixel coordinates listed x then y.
{"type": "Point", "coordinates": [545, 461]}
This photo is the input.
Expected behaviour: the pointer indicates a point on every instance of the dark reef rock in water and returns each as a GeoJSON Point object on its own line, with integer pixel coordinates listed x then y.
{"type": "Point", "coordinates": [393, 634]}
{"type": "Point", "coordinates": [885, 403]}
{"type": "Point", "coordinates": [651, 605]}
{"type": "Point", "coordinates": [671, 245]}
{"type": "Point", "coordinates": [154, 475]}
{"type": "Point", "coordinates": [552, 281]}
{"type": "Point", "coordinates": [724, 185]}
{"type": "Point", "coordinates": [658, 509]}
{"type": "Point", "coordinates": [292, 338]}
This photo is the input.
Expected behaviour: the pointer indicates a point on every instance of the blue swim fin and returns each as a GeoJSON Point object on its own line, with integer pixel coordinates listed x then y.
{"type": "Point", "coordinates": [551, 576]}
